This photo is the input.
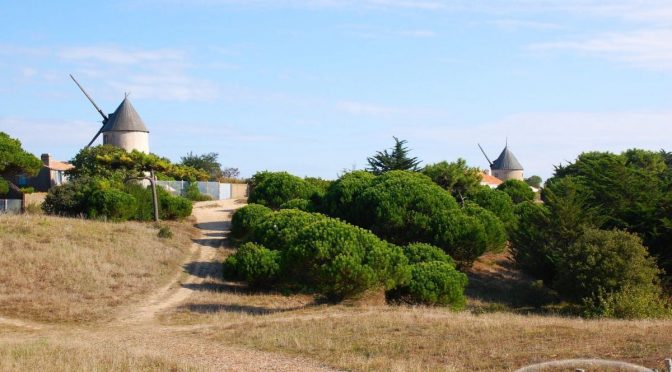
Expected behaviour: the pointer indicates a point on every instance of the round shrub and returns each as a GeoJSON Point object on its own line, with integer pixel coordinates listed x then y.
{"type": "Point", "coordinates": [276, 188]}
{"type": "Point", "coordinates": [497, 202]}
{"type": "Point", "coordinates": [174, 207]}
{"type": "Point", "coordinates": [4, 187]}
{"type": "Point", "coordinates": [421, 252]}
{"type": "Point", "coordinates": [245, 220]}
{"type": "Point", "coordinates": [400, 205]}
{"type": "Point", "coordinates": [68, 199]}
{"type": "Point", "coordinates": [494, 228]}
{"type": "Point", "coordinates": [112, 204]}
{"type": "Point", "coordinates": [519, 191]}
{"type": "Point", "coordinates": [340, 199]}
{"type": "Point", "coordinates": [340, 260]}
{"type": "Point", "coordinates": [300, 204]}
{"type": "Point", "coordinates": [254, 264]}
{"type": "Point", "coordinates": [462, 237]}
{"type": "Point", "coordinates": [604, 261]}
{"type": "Point", "coordinates": [629, 303]}
{"type": "Point", "coordinates": [436, 283]}
{"type": "Point", "coordinates": [280, 230]}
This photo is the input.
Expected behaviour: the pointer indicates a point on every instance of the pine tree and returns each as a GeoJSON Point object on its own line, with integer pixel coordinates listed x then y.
{"type": "Point", "coordinates": [397, 159]}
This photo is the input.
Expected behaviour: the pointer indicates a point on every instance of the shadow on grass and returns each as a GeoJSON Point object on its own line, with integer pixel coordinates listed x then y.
{"type": "Point", "coordinates": [232, 308]}
{"type": "Point", "coordinates": [222, 226]}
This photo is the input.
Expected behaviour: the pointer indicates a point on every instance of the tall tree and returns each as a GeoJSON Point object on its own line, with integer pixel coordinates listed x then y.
{"type": "Point", "coordinates": [456, 177]}
{"type": "Point", "coordinates": [396, 159]}
{"type": "Point", "coordinates": [534, 181]}
{"type": "Point", "coordinates": [206, 162]}
{"type": "Point", "coordinates": [15, 160]}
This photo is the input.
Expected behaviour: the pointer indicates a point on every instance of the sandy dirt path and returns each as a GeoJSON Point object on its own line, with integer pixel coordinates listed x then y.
{"type": "Point", "coordinates": [137, 331]}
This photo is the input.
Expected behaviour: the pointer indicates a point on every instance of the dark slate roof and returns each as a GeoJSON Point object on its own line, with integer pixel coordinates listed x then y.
{"type": "Point", "coordinates": [506, 161]}
{"type": "Point", "coordinates": [125, 119]}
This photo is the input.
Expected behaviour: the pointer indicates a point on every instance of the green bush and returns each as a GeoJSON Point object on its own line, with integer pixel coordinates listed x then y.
{"type": "Point", "coordinates": [173, 207]}
{"type": "Point", "coordinates": [165, 233]}
{"type": "Point", "coordinates": [254, 264]}
{"type": "Point", "coordinates": [112, 204]}
{"type": "Point", "coordinates": [192, 193]}
{"type": "Point", "coordinates": [519, 191]}
{"type": "Point", "coordinates": [399, 206]}
{"type": "Point", "coordinates": [421, 252]}
{"type": "Point", "coordinates": [300, 204]}
{"type": "Point", "coordinates": [494, 228]}
{"type": "Point", "coordinates": [456, 177]}
{"type": "Point", "coordinates": [497, 202]}
{"type": "Point", "coordinates": [71, 198]}
{"type": "Point", "coordinates": [280, 230]}
{"type": "Point", "coordinates": [531, 245]}
{"type": "Point", "coordinates": [4, 187]}
{"type": "Point", "coordinates": [435, 283]}
{"type": "Point", "coordinates": [277, 188]}
{"type": "Point", "coordinates": [245, 219]}
{"type": "Point", "coordinates": [462, 237]}
{"type": "Point", "coordinates": [339, 260]}
{"type": "Point", "coordinates": [27, 190]}
{"type": "Point", "coordinates": [629, 303]}
{"type": "Point", "coordinates": [340, 199]}
{"type": "Point", "coordinates": [602, 261]}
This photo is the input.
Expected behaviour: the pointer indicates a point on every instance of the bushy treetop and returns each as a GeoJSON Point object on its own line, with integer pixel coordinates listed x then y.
{"type": "Point", "coordinates": [396, 159]}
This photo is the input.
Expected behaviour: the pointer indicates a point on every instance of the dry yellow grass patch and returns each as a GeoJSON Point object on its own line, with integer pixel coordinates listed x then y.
{"type": "Point", "coordinates": [414, 339]}
{"type": "Point", "coordinates": [42, 355]}
{"type": "Point", "coordinates": [74, 270]}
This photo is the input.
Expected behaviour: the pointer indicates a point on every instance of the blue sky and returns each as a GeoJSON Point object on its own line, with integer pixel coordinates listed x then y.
{"type": "Point", "coordinates": [314, 87]}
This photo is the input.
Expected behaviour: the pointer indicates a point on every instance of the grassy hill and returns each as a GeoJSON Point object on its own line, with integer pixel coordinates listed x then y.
{"type": "Point", "coordinates": [74, 270]}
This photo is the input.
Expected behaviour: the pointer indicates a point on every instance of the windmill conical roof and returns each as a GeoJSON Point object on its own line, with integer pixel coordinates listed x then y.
{"type": "Point", "coordinates": [506, 161]}
{"type": "Point", "coordinates": [125, 119]}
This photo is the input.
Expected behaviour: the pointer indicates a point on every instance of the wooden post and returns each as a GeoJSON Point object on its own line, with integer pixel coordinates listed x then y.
{"type": "Point", "coordinates": [668, 364]}
{"type": "Point", "coordinates": [155, 201]}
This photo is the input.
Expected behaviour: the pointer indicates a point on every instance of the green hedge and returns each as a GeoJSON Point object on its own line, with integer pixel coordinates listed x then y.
{"type": "Point", "coordinates": [421, 252]}
{"type": "Point", "coordinates": [273, 189]}
{"type": "Point", "coordinates": [111, 204]}
{"type": "Point", "coordinates": [254, 264]}
{"type": "Point", "coordinates": [436, 283]}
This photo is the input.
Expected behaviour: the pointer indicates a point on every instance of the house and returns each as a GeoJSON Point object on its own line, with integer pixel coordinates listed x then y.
{"type": "Point", "coordinates": [489, 180]}
{"type": "Point", "coordinates": [51, 174]}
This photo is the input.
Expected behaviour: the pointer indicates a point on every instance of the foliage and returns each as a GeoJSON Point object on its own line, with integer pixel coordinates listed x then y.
{"type": "Point", "coordinates": [254, 264]}
{"type": "Point", "coordinates": [456, 177]}
{"type": "Point", "coordinates": [230, 173]}
{"type": "Point", "coordinates": [605, 261]}
{"type": "Point", "coordinates": [173, 207]}
{"type": "Point", "coordinates": [497, 202]}
{"type": "Point", "coordinates": [397, 159]}
{"type": "Point", "coordinates": [629, 303]}
{"type": "Point", "coordinates": [340, 199]}
{"type": "Point", "coordinates": [165, 233]}
{"type": "Point", "coordinates": [112, 204]}
{"type": "Point", "coordinates": [461, 236]}
{"type": "Point", "coordinates": [422, 252]}
{"type": "Point", "coordinates": [4, 187]}
{"type": "Point", "coordinates": [272, 189]}
{"type": "Point", "coordinates": [399, 206]}
{"type": "Point", "coordinates": [246, 218]}
{"type": "Point", "coordinates": [194, 194]}
{"type": "Point", "coordinates": [328, 256]}
{"type": "Point", "coordinates": [69, 199]}
{"type": "Point", "coordinates": [495, 231]}
{"type": "Point", "coordinates": [531, 246]}
{"type": "Point", "coordinates": [632, 191]}
{"type": "Point", "coordinates": [300, 204]}
{"type": "Point", "coordinates": [15, 160]}
{"type": "Point", "coordinates": [534, 181]}
{"type": "Point", "coordinates": [519, 191]}
{"type": "Point", "coordinates": [435, 283]}
{"type": "Point", "coordinates": [26, 190]}
{"type": "Point", "coordinates": [207, 163]}
{"type": "Point", "coordinates": [115, 163]}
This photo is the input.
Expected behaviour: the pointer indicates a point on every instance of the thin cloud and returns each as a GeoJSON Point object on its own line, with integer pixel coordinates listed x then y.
{"type": "Point", "coordinates": [650, 49]}
{"type": "Point", "coordinates": [115, 55]}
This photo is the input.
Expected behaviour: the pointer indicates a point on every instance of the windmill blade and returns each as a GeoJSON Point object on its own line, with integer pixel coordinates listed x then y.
{"type": "Point", "coordinates": [105, 118]}
{"type": "Point", "coordinates": [484, 154]}
{"type": "Point", "coordinates": [95, 137]}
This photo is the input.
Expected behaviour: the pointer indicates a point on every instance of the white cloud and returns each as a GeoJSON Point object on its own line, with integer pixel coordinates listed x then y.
{"type": "Point", "coordinates": [116, 55]}
{"type": "Point", "coordinates": [649, 49]}
{"type": "Point", "coordinates": [518, 24]}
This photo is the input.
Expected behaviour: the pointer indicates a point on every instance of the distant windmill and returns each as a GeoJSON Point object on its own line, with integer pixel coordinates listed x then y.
{"type": "Point", "coordinates": [506, 166]}
{"type": "Point", "coordinates": [124, 128]}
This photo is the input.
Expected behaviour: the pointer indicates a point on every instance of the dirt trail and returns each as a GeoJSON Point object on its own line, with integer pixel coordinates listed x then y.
{"type": "Point", "coordinates": [137, 331]}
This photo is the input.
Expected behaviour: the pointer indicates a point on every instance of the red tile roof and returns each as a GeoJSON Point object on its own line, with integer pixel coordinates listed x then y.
{"type": "Point", "coordinates": [490, 180]}
{"type": "Point", "coordinates": [59, 165]}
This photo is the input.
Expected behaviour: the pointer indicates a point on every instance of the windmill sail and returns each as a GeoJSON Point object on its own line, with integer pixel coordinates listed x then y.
{"type": "Point", "coordinates": [484, 154]}
{"type": "Point", "coordinates": [105, 117]}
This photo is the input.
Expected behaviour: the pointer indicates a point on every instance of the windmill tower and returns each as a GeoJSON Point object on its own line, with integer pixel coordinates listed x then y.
{"type": "Point", "coordinates": [506, 166]}
{"type": "Point", "coordinates": [123, 128]}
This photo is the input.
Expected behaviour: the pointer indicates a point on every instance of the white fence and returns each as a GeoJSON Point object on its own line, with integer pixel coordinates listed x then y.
{"type": "Point", "coordinates": [10, 205]}
{"type": "Point", "coordinates": [216, 190]}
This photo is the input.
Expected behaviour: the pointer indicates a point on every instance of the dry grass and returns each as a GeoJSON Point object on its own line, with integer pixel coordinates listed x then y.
{"type": "Point", "coordinates": [43, 355]}
{"type": "Point", "coordinates": [73, 270]}
{"type": "Point", "coordinates": [413, 339]}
